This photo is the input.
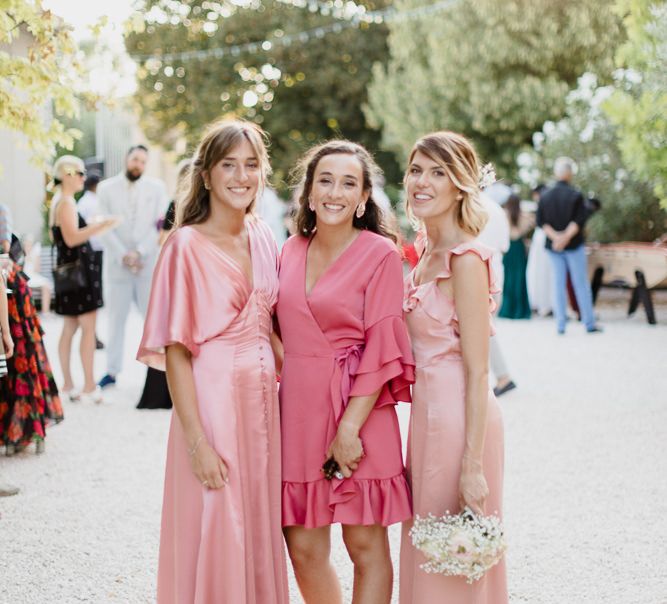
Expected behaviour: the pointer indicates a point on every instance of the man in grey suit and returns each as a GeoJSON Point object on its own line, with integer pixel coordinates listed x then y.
{"type": "Point", "coordinates": [131, 249]}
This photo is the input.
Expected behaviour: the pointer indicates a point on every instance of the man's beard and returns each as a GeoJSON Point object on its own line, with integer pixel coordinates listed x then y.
{"type": "Point", "coordinates": [132, 176]}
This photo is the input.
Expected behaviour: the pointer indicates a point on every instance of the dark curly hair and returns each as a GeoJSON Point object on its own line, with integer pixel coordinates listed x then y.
{"type": "Point", "coordinates": [372, 220]}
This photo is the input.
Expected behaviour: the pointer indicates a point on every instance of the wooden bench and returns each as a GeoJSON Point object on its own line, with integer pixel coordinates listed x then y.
{"type": "Point", "coordinates": [640, 267]}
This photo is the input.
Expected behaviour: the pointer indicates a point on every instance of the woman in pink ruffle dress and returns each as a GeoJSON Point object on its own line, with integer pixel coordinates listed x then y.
{"type": "Point", "coordinates": [347, 361]}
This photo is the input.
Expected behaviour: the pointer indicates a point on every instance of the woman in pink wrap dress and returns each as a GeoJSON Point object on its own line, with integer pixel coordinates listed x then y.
{"type": "Point", "coordinates": [347, 361]}
{"type": "Point", "coordinates": [455, 447]}
{"type": "Point", "coordinates": [209, 319]}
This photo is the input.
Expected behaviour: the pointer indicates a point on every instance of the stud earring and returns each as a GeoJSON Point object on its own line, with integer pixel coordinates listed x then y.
{"type": "Point", "coordinates": [361, 209]}
{"type": "Point", "coordinates": [459, 197]}
{"type": "Point", "coordinates": [207, 186]}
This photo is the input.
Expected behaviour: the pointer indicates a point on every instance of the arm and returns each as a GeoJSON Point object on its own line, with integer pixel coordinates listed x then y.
{"type": "Point", "coordinates": [69, 224]}
{"type": "Point", "coordinates": [110, 239]}
{"type": "Point", "coordinates": [470, 282]}
{"type": "Point", "coordinates": [278, 351]}
{"type": "Point", "coordinates": [206, 464]}
{"type": "Point", "coordinates": [4, 321]}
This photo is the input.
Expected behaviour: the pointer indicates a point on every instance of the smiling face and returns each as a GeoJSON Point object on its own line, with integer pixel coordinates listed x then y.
{"type": "Point", "coordinates": [235, 179]}
{"type": "Point", "coordinates": [430, 191]}
{"type": "Point", "coordinates": [338, 189]}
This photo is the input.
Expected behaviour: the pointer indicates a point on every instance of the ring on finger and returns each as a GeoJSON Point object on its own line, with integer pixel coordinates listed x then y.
{"type": "Point", "coordinates": [205, 483]}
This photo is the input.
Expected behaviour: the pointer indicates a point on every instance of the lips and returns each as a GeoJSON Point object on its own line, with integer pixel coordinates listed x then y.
{"type": "Point", "coordinates": [239, 190]}
{"type": "Point", "coordinates": [333, 207]}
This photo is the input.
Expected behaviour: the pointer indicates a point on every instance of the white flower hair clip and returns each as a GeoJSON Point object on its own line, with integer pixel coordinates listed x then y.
{"type": "Point", "coordinates": [487, 176]}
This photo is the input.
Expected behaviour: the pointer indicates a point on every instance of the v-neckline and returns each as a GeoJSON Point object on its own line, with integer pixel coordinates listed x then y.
{"type": "Point", "coordinates": [249, 281]}
{"type": "Point", "coordinates": [327, 270]}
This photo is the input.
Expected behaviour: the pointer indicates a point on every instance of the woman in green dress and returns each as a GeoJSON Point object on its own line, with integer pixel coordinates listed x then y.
{"type": "Point", "coordinates": [515, 293]}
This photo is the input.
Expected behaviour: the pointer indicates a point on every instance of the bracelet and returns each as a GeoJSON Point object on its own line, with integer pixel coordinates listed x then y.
{"type": "Point", "coordinates": [192, 451]}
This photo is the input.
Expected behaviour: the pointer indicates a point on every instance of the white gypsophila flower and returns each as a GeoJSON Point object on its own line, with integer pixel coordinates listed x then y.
{"type": "Point", "coordinates": [459, 545]}
{"type": "Point", "coordinates": [487, 176]}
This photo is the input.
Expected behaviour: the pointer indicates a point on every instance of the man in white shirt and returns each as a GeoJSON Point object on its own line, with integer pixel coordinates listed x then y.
{"type": "Point", "coordinates": [496, 235]}
{"type": "Point", "coordinates": [131, 249]}
{"type": "Point", "coordinates": [89, 206]}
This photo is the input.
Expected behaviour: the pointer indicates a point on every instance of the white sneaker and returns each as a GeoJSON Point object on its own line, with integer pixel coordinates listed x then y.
{"type": "Point", "coordinates": [73, 395]}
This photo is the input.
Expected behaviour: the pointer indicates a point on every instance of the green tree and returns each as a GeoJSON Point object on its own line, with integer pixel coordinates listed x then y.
{"type": "Point", "coordinates": [301, 92]}
{"type": "Point", "coordinates": [49, 74]}
{"type": "Point", "coordinates": [495, 71]}
{"type": "Point", "coordinates": [639, 105]}
{"type": "Point", "coordinates": [630, 210]}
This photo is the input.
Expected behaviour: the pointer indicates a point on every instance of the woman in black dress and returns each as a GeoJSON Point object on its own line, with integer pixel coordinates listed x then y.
{"type": "Point", "coordinates": [79, 306]}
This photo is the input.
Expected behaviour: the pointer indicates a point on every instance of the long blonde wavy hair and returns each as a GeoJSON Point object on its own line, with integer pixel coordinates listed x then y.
{"type": "Point", "coordinates": [457, 156]}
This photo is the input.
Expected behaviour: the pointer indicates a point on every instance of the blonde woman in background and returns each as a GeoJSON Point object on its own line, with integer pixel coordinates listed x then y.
{"type": "Point", "coordinates": [455, 450]}
{"type": "Point", "coordinates": [78, 306]}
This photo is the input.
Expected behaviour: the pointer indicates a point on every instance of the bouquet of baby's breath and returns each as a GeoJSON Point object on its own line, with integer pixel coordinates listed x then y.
{"type": "Point", "coordinates": [465, 544]}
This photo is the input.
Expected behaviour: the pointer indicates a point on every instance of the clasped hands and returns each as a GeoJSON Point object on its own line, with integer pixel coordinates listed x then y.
{"type": "Point", "coordinates": [559, 241]}
{"type": "Point", "coordinates": [132, 261]}
{"type": "Point", "coordinates": [346, 448]}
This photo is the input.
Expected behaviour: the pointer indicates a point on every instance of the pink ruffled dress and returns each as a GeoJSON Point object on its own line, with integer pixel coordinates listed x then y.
{"type": "Point", "coordinates": [437, 437]}
{"type": "Point", "coordinates": [225, 545]}
{"type": "Point", "coordinates": [346, 338]}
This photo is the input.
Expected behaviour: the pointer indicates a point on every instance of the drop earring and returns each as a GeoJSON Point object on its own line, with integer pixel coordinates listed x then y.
{"type": "Point", "coordinates": [311, 205]}
{"type": "Point", "coordinates": [361, 209]}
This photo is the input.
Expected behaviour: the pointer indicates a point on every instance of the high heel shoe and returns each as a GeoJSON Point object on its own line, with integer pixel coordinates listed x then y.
{"type": "Point", "coordinates": [10, 450]}
{"type": "Point", "coordinates": [95, 396]}
{"type": "Point", "coordinates": [39, 446]}
{"type": "Point", "coordinates": [72, 394]}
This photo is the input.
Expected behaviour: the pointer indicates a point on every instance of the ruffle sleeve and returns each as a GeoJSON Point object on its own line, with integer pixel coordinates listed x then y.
{"type": "Point", "coordinates": [170, 318]}
{"type": "Point", "coordinates": [485, 254]}
{"type": "Point", "coordinates": [386, 363]}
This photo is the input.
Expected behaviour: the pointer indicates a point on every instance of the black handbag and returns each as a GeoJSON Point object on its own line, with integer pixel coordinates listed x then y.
{"type": "Point", "coordinates": [69, 277]}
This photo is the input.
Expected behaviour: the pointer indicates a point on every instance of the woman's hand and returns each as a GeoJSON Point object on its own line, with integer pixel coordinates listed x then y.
{"type": "Point", "coordinates": [473, 489]}
{"type": "Point", "coordinates": [347, 449]}
{"type": "Point", "coordinates": [208, 466]}
{"type": "Point", "coordinates": [8, 343]}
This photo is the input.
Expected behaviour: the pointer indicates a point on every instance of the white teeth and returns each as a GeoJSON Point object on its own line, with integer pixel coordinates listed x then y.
{"type": "Point", "coordinates": [238, 189]}
{"type": "Point", "coordinates": [333, 206]}
{"type": "Point", "coordinates": [422, 197]}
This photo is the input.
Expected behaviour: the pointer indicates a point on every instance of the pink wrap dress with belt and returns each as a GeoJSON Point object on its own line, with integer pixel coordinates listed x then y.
{"type": "Point", "coordinates": [225, 545]}
{"type": "Point", "coordinates": [347, 337]}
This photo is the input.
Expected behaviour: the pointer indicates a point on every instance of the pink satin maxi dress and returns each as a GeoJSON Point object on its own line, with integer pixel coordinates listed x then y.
{"type": "Point", "coordinates": [346, 337]}
{"type": "Point", "coordinates": [437, 438]}
{"type": "Point", "coordinates": [226, 545]}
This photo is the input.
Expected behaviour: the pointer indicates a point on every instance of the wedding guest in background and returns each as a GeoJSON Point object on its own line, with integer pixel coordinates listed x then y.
{"type": "Point", "coordinates": [347, 361]}
{"type": "Point", "coordinates": [539, 274]}
{"type": "Point", "coordinates": [496, 235]}
{"type": "Point", "coordinates": [455, 451]}
{"type": "Point", "coordinates": [209, 323]}
{"type": "Point", "coordinates": [29, 397]}
{"type": "Point", "coordinates": [78, 304]}
{"type": "Point", "coordinates": [155, 394]}
{"type": "Point", "coordinates": [562, 214]}
{"type": "Point", "coordinates": [515, 303]}
{"type": "Point", "coordinates": [131, 249]}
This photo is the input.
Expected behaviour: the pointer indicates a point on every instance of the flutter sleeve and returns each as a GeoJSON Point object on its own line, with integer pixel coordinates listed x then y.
{"type": "Point", "coordinates": [171, 317]}
{"type": "Point", "coordinates": [386, 362]}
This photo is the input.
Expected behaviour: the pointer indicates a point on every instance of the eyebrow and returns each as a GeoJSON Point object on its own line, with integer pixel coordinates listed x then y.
{"type": "Point", "coordinates": [253, 158]}
{"type": "Point", "coordinates": [344, 176]}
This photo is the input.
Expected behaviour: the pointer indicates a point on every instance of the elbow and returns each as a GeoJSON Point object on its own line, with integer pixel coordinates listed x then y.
{"type": "Point", "coordinates": [477, 374]}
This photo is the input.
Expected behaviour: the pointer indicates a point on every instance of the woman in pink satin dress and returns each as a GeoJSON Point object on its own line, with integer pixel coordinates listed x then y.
{"type": "Point", "coordinates": [347, 361]}
{"type": "Point", "coordinates": [455, 447]}
{"type": "Point", "coordinates": [209, 320]}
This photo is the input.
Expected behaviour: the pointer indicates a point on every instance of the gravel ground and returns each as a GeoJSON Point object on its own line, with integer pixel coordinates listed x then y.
{"type": "Point", "coordinates": [585, 499]}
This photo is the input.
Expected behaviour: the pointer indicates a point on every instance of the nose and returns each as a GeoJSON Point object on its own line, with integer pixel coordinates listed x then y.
{"type": "Point", "coordinates": [242, 173]}
{"type": "Point", "coordinates": [422, 181]}
{"type": "Point", "coordinates": [337, 190]}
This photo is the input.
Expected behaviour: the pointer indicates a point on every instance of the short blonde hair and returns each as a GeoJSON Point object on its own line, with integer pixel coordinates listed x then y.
{"type": "Point", "coordinates": [64, 165]}
{"type": "Point", "coordinates": [456, 154]}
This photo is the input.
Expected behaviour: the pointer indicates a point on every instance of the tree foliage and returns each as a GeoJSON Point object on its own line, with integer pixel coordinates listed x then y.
{"type": "Point", "coordinates": [639, 105]}
{"type": "Point", "coordinates": [630, 209]}
{"type": "Point", "coordinates": [300, 93]}
{"type": "Point", "coordinates": [495, 71]}
{"type": "Point", "coordinates": [48, 75]}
